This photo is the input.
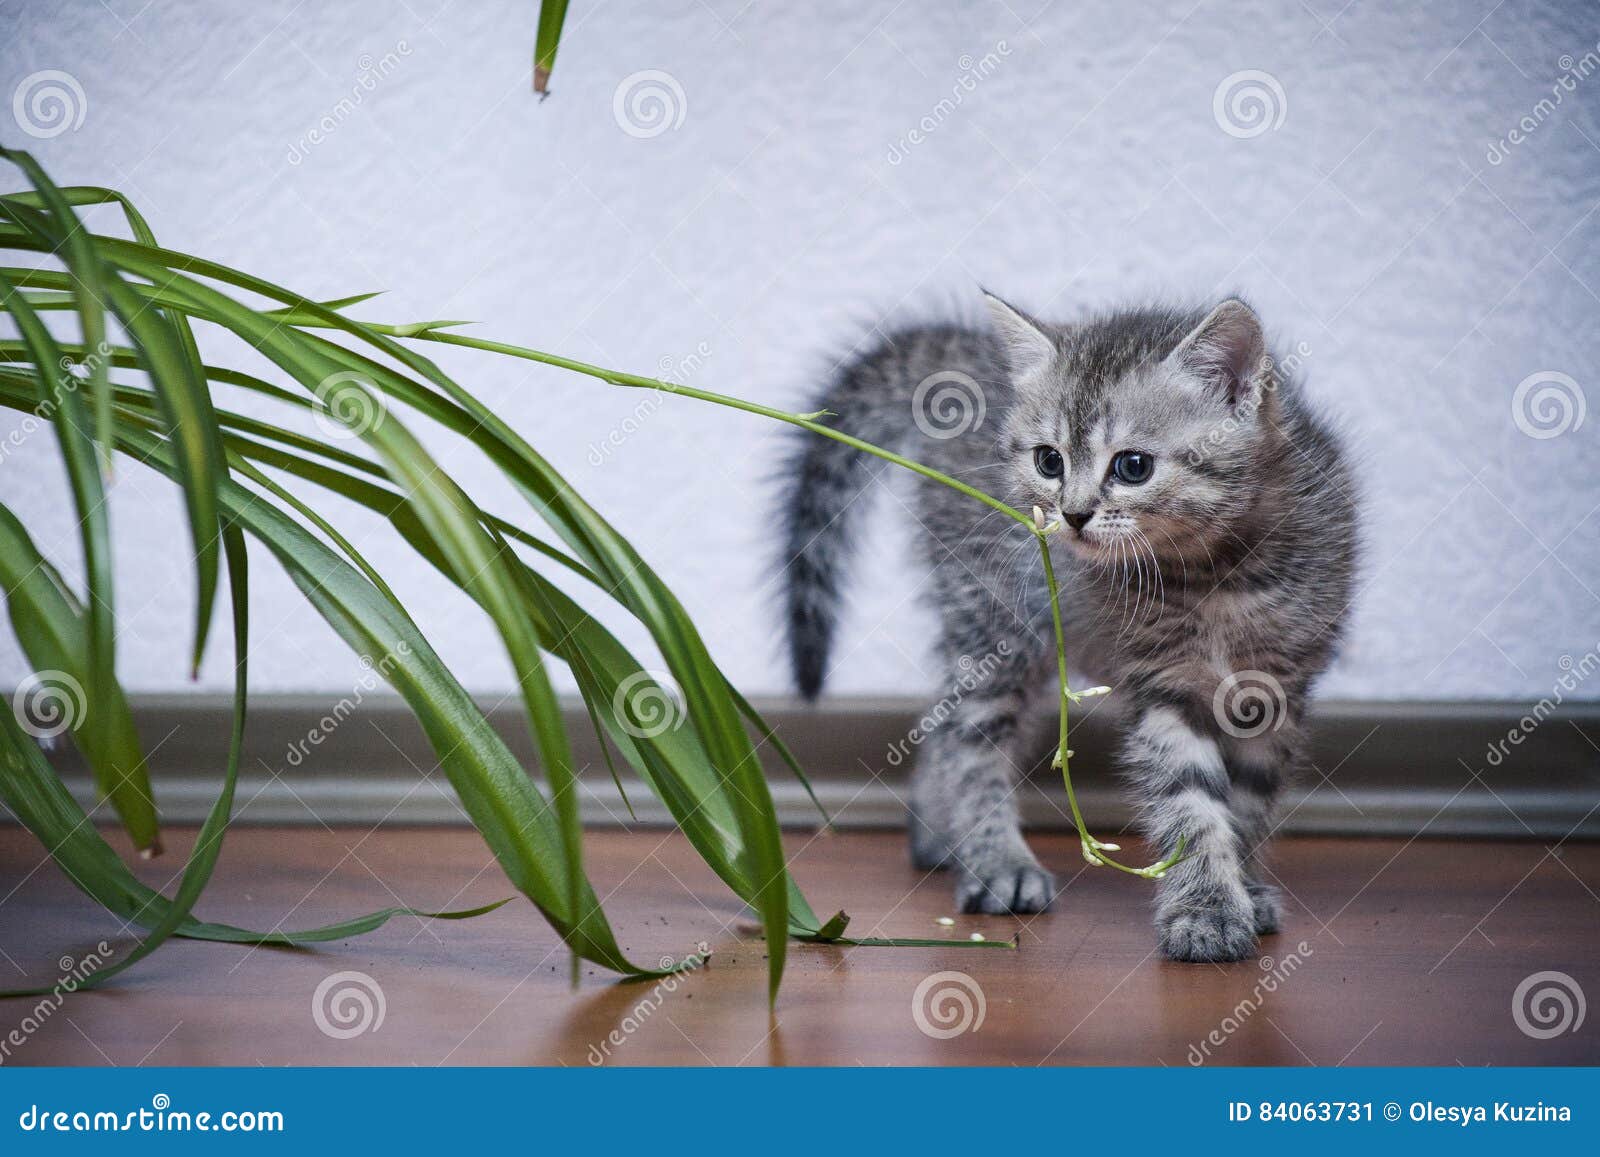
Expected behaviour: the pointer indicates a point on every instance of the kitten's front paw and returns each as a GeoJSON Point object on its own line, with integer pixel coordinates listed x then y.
{"type": "Point", "coordinates": [1268, 908]}
{"type": "Point", "coordinates": [1006, 888]}
{"type": "Point", "coordinates": [1205, 935]}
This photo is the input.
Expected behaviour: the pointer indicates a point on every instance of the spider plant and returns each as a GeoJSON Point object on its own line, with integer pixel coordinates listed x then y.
{"type": "Point", "coordinates": [133, 382]}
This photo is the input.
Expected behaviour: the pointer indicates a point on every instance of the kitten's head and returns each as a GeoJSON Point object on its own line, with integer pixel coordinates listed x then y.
{"type": "Point", "coordinates": [1144, 429]}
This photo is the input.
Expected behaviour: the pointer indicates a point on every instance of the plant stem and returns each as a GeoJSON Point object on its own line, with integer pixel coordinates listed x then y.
{"type": "Point", "coordinates": [1093, 849]}
{"type": "Point", "coordinates": [804, 421]}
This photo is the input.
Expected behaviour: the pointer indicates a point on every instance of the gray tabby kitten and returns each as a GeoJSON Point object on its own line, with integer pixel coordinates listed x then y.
{"type": "Point", "coordinates": [1206, 552]}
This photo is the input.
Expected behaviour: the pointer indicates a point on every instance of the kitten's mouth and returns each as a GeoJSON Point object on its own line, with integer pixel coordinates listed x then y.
{"type": "Point", "coordinates": [1097, 546]}
{"type": "Point", "coordinates": [1087, 543]}
{"type": "Point", "coordinates": [1091, 543]}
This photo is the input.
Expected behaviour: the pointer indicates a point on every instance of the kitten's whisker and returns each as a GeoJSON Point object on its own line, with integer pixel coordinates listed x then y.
{"type": "Point", "coordinates": [1138, 596]}
{"type": "Point", "coordinates": [1182, 565]}
{"type": "Point", "coordinates": [1155, 565]}
{"type": "Point", "coordinates": [1127, 581]}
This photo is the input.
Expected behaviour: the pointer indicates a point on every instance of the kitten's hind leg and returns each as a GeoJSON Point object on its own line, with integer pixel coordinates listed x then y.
{"type": "Point", "coordinates": [1204, 910]}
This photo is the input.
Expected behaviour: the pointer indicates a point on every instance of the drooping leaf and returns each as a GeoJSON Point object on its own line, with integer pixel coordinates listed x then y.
{"type": "Point", "coordinates": [551, 15]}
{"type": "Point", "coordinates": [50, 628]}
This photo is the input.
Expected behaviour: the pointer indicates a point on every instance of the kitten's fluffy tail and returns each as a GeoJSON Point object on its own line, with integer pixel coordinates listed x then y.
{"type": "Point", "coordinates": [822, 507]}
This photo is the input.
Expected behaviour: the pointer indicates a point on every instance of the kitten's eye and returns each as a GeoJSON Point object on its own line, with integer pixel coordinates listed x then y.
{"type": "Point", "coordinates": [1047, 460]}
{"type": "Point", "coordinates": [1133, 466]}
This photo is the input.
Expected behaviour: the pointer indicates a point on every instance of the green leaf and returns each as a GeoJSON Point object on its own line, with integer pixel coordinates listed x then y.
{"type": "Point", "coordinates": [551, 15]}
{"type": "Point", "coordinates": [168, 352]}
{"type": "Point", "coordinates": [32, 790]}
{"type": "Point", "coordinates": [88, 289]}
{"type": "Point", "coordinates": [515, 820]}
{"type": "Point", "coordinates": [50, 629]}
{"type": "Point", "coordinates": [628, 579]}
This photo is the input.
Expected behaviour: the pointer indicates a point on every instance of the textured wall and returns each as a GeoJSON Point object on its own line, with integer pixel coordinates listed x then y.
{"type": "Point", "coordinates": [1388, 220]}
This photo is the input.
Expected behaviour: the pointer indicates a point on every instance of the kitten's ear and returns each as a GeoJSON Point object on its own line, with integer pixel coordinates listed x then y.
{"type": "Point", "coordinates": [1227, 351]}
{"type": "Point", "coordinates": [1027, 346]}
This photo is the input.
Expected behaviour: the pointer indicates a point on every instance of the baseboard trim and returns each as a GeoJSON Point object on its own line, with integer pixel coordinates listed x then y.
{"type": "Point", "coordinates": [1389, 768]}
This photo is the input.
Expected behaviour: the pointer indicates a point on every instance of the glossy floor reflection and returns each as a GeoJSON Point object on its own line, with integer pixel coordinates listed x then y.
{"type": "Point", "coordinates": [1393, 952]}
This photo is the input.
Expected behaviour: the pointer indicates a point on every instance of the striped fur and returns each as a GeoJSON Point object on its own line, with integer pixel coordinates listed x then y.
{"type": "Point", "coordinates": [1210, 596]}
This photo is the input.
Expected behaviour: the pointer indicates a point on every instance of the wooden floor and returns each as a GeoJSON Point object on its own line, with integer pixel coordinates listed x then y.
{"type": "Point", "coordinates": [1393, 953]}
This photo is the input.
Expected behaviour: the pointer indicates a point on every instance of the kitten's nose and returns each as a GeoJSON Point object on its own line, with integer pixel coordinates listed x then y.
{"type": "Point", "coordinates": [1078, 519]}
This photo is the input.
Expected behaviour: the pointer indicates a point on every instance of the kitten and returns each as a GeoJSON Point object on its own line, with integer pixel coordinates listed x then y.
{"type": "Point", "coordinates": [1206, 553]}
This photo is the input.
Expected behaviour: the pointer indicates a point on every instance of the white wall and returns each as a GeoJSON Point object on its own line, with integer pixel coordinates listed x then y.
{"type": "Point", "coordinates": [786, 208]}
